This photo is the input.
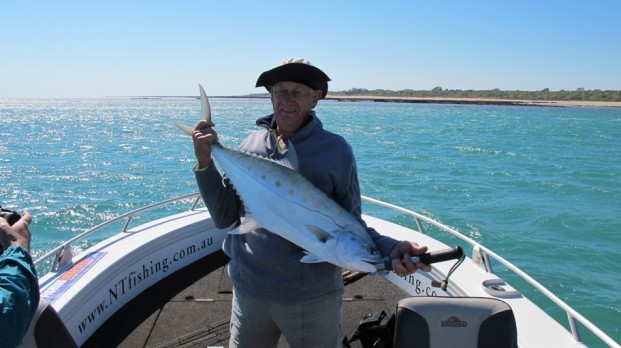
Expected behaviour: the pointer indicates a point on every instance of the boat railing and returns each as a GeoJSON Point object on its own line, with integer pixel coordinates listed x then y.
{"type": "Point", "coordinates": [482, 256]}
{"type": "Point", "coordinates": [62, 254]}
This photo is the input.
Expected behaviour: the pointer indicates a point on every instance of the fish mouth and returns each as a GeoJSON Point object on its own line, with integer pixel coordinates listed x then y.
{"type": "Point", "coordinates": [373, 261]}
{"type": "Point", "coordinates": [370, 266]}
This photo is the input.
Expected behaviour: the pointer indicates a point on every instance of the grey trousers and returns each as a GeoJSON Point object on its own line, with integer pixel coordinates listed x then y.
{"type": "Point", "coordinates": [315, 322]}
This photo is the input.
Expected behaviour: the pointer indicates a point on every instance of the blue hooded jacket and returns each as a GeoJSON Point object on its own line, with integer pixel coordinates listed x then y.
{"type": "Point", "coordinates": [19, 294]}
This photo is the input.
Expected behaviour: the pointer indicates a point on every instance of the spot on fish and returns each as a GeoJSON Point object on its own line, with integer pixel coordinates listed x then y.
{"type": "Point", "coordinates": [291, 192]}
{"type": "Point", "coordinates": [263, 177]}
{"type": "Point", "coordinates": [277, 183]}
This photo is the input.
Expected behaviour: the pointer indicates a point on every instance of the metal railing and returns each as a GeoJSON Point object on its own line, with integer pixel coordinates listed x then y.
{"type": "Point", "coordinates": [486, 254]}
{"type": "Point", "coordinates": [62, 254]}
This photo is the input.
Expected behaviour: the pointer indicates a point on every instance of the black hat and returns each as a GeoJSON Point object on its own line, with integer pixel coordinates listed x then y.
{"type": "Point", "coordinates": [296, 70]}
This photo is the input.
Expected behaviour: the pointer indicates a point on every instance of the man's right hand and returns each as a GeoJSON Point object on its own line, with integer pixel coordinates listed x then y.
{"type": "Point", "coordinates": [18, 234]}
{"type": "Point", "coordinates": [204, 135]}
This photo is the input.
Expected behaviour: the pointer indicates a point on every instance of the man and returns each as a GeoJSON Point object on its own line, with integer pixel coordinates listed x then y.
{"type": "Point", "coordinates": [274, 292]}
{"type": "Point", "coordinates": [19, 288]}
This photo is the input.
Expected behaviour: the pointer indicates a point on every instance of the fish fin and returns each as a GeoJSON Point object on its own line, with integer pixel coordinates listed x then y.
{"type": "Point", "coordinates": [185, 127]}
{"type": "Point", "coordinates": [205, 108]}
{"type": "Point", "coordinates": [311, 258]}
{"type": "Point", "coordinates": [285, 163]}
{"type": "Point", "coordinates": [205, 112]}
{"type": "Point", "coordinates": [322, 235]}
{"type": "Point", "coordinates": [247, 225]}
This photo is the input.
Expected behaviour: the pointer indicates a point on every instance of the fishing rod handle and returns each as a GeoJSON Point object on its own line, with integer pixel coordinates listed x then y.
{"type": "Point", "coordinates": [428, 258]}
{"type": "Point", "coordinates": [442, 255]}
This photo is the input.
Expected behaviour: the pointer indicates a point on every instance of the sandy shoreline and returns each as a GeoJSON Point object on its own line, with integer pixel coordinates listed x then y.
{"type": "Point", "coordinates": [482, 101]}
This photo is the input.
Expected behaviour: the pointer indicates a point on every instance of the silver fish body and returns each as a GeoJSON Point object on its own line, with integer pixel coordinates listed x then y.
{"type": "Point", "coordinates": [282, 201]}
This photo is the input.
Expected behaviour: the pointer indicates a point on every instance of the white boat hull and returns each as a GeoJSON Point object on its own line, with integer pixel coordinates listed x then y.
{"type": "Point", "coordinates": [106, 276]}
{"type": "Point", "coordinates": [102, 279]}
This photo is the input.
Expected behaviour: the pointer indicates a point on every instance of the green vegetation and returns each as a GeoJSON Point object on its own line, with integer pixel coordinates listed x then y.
{"type": "Point", "coordinates": [544, 94]}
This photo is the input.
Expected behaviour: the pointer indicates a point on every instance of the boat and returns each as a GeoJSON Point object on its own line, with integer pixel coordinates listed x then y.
{"type": "Point", "coordinates": [163, 283]}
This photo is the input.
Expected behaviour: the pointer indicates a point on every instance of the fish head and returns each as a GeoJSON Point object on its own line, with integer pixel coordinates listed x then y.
{"type": "Point", "coordinates": [357, 253]}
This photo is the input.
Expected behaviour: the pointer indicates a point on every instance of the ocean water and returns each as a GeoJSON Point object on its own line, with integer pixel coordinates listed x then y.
{"type": "Point", "coordinates": [541, 186]}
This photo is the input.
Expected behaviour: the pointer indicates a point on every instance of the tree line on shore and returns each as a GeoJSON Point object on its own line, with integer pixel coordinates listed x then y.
{"type": "Point", "coordinates": [544, 94]}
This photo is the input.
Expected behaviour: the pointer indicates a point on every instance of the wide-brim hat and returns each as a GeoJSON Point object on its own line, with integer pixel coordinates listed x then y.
{"type": "Point", "coordinates": [295, 70]}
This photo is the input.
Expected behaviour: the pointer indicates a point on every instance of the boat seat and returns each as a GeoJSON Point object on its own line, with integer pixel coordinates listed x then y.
{"type": "Point", "coordinates": [433, 322]}
{"type": "Point", "coordinates": [47, 330]}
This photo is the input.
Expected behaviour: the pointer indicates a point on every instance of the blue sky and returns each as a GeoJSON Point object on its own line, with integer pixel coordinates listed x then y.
{"type": "Point", "coordinates": [127, 48]}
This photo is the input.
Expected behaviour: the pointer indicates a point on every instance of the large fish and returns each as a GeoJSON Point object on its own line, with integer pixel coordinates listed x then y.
{"type": "Point", "coordinates": [282, 201]}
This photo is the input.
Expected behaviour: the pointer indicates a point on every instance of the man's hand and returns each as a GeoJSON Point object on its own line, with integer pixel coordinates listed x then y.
{"type": "Point", "coordinates": [204, 135]}
{"type": "Point", "coordinates": [18, 234]}
{"type": "Point", "coordinates": [400, 258]}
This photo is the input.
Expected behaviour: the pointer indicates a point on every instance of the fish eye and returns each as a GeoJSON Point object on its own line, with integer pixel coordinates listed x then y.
{"type": "Point", "coordinates": [373, 251]}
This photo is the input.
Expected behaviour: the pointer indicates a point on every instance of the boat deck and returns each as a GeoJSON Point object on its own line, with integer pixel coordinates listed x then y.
{"type": "Point", "coordinates": [192, 307]}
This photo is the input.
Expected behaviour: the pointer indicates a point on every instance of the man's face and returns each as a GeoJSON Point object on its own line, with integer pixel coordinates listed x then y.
{"type": "Point", "coordinates": [292, 104]}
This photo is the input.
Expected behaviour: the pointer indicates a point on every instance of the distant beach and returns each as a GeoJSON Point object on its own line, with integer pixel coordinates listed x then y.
{"type": "Point", "coordinates": [478, 101]}
{"type": "Point", "coordinates": [427, 100]}
{"type": "Point", "coordinates": [448, 100]}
